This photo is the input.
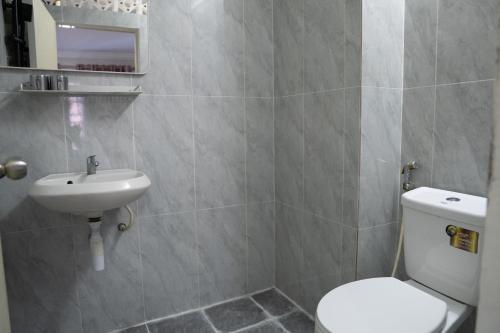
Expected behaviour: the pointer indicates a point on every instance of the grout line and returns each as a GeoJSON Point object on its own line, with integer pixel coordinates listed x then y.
{"type": "Point", "coordinates": [342, 199]}
{"type": "Point", "coordinates": [305, 211]}
{"type": "Point", "coordinates": [245, 148]}
{"type": "Point", "coordinates": [76, 224]}
{"type": "Point", "coordinates": [203, 308]}
{"type": "Point", "coordinates": [303, 203]}
{"type": "Point", "coordinates": [208, 321]}
{"type": "Point", "coordinates": [447, 84]}
{"type": "Point", "coordinates": [270, 317]}
{"type": "Point", "coordinates": [71, 224]}
{"type": "Point", "coordinates": [262, 323]}
{"type": "Point", "coordinates": [294, 303]}
{"type": "Point", "coordinates": [378, 226]}
{"type": "Point", "coordinates": [303, 103]}
{"type": "Point", "coordinates": [193, 134]}
{"type": "Point", "coordinates": [274, 142]}
{"type": "Point", "coordinates": [398, 200]}
{"type": "Point", "coordinates": [134, 150]}
{"type": "Point", "coordinates": [344, 139]}
{"type": "Point", "coordinates": [141, 273]}
{"type": "Point", "coordinates": [435, 96]}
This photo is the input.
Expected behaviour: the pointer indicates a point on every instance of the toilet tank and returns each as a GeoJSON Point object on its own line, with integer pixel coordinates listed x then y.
{"type": "Point", "coordinates": [443, 234]}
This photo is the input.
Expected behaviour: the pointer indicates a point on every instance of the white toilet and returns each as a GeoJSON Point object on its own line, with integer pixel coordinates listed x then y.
{"type": "Point", "coordinates": [442, 246]}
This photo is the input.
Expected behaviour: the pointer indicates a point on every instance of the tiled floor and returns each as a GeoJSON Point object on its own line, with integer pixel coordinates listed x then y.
{"type": "Point", "coordinates": [265, 312]}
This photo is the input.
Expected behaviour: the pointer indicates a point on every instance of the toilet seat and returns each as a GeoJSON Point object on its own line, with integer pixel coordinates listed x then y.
{"type": "Point", "coordinates": [380, 305]}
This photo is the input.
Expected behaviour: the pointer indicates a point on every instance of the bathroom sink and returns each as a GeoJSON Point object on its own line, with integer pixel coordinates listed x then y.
{"type": "Point", "coordinates": [89, 195]}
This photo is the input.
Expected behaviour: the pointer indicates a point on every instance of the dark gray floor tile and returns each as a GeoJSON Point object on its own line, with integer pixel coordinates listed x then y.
{"type": "Point", "coordinates": [136, 329]}
{"type": "Point", "coordinates": [273, 302]}
{"type": "Point", "coordinates": [189, 323]}
{"type": "Point", "coordinates": [297, 322]}
{"type": "Point", "coordinates": [265, 328]}
{"type": "Point", "coordinates": [234, 315]}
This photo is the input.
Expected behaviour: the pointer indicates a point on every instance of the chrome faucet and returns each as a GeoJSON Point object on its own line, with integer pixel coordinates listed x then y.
{"type": "Point", "coordinates": [92, 165]}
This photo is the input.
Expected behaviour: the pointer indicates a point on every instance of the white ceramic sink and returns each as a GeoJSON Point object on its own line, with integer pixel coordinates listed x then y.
{"type": "Point", "coordinates": [90, 195]}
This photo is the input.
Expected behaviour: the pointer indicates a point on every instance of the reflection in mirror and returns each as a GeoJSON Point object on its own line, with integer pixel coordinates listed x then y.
{"type": "Point", "coordinates": [89, 35]}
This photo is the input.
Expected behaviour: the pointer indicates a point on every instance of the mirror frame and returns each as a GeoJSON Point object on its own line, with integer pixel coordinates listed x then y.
{"type": "Point", "coordinates": [145, 71]}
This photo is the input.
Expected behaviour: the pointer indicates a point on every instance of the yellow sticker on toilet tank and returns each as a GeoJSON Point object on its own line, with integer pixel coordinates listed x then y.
{"type": "Point", "coordinates": [463, 239]}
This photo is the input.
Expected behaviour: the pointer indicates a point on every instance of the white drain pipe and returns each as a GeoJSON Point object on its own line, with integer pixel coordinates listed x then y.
{"type": "Point", "coordinates": [96, 244]}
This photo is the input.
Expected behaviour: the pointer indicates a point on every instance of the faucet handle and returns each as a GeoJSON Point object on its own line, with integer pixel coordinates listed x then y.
{"type": "Point", "coordinates": [14, 168]}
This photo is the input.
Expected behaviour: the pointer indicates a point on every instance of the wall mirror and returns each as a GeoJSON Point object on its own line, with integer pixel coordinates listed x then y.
{"type": "Point", "coordinates": [75, 35]}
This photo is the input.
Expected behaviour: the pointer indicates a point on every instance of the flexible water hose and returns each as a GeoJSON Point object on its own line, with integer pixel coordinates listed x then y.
{"type": "Point", "coordinates": [125, 227]}
{"type": "Point", "coordinates": [398, 252]}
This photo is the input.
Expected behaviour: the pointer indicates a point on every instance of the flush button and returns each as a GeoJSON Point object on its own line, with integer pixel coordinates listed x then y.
{"type": "Point", "coordinates": [452, 199]}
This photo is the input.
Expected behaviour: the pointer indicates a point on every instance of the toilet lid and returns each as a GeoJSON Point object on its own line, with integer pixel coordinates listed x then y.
{"type": "Point", "coordinates": [381, 305]}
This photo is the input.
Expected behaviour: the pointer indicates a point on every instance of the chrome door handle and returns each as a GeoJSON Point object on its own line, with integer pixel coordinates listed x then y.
{"type": "Point", "coordinates": [14, 168]}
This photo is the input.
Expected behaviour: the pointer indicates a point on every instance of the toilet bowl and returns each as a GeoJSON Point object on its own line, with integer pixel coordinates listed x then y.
{"type": "Point", "coordinates": [388, 305]}
{"type": "Point", "coordinates": [442, 246]}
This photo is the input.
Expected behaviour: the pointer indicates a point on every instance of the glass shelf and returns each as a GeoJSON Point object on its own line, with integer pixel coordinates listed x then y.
{"type": "Point", "coordinates": [79, 90]}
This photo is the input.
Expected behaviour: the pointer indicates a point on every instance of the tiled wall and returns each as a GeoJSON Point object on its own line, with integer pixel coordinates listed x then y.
{"type": "Point", "coordinates": [412, 102]}
{"type": "Point", "coordinates": [381, 109]}
{"type": "Point", "coordinates": [202, 131]}
{"type": "Point", "coordinates": [317, 145]}
{"type": "Point", "coordinates": [448, 96]}
{"type": "Point", "coordinates": [449, 63]}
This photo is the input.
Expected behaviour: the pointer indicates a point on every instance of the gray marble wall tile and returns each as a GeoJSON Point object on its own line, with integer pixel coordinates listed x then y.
{"type": "Point", "coordinates": [112, 298]}
{"type": "Point", "coordinates": [420, 42]}
{"type": "Point", "coordinates": [323, 133]}
{"type": "Point", "coordinates": [315, 288]}
{"type": "Point", "coordinates": [288, 46]}
{"type": "Point", "coordinates": [40, 276]}
{"type": "Point", "coordinates": [466, 52]}
{"type": "Point", "coordinates": [218, 47]}
{"type": "Point", "coordinates": [259, 67]}
{"type": "Point", "coordinates": [380, 156]}
{"type": "Point", "coordinates": [169, 262]}
{"type": "Point", "coordinates": [381, 124]}
{"type": "Point", "coordinates": [261, 246]}
{"type": "Point", "coordinates": [222, 251]}
{"type": "Point", "coordinates": [12, 78]}
{"type": "Point", "coordinates": [376, 250]}
{"type": "Point", "coordinates": [220, 151]}
{"type": "Point", "coordinates": [32, 128]}
{"type": "Point", "coordinates": [170, 32]}
{"type": "Point", "coordinates": [462, 137]}
{"type": "Point", "coordinates": [289, 258]}
{"type": "Point", "coordinates": [322, 247]}
{"type": "Point", "coordinates": [99, 126]}
{"type": "Point", "coordinates": [383, 40]}
{"type": "Point", "coordinates": [323, 45]}
{"type": "Point", "coordinates": [418, 128]}
{"type": "Point", "coordinates": [352, 143]}
{"type": "Point", "coordinates": [105, 79]}
{"type": "Point", "coordinates": [259, 149]}
{"type": "Point", "coordinates": [379, 193]}
{"type": "Point", "coordinates": [163, 129]}
{"type": "Point", "coordinates": [289, 147]}
{"type": "Point", "coordinates": [353, 27]}
{"type": "Point", "coordinates": [349, 253]}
